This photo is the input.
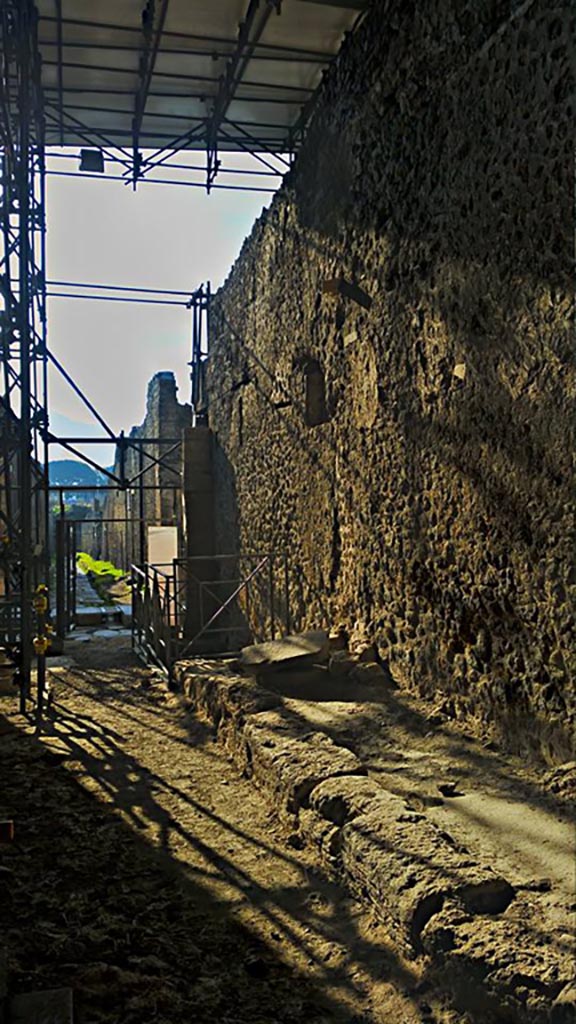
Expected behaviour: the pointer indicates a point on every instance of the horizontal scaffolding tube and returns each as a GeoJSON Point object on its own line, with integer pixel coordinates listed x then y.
{"type": "Point", "coordinates": [117, 298]}
{"type": "Point", "coordinates": [174, 74]}
{"type": "Point", "coordinates": [131, 441]}
{"type": "Point", "coordinates": [322, 55]}
{"type": "Point", "coordinates": [172, 52]}
{"type": "Point", "coordinates": [160, 181]}
{"type": "Point", "coordinates": [111, 487]}
{"type": "Point", "coordinates": [186, 167]}
{"type": "Point", "coordinates": [197, 135]}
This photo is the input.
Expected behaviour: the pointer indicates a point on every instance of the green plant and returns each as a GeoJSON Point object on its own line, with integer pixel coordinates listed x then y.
{"type": "Point", "coordinates": [94, 567]}
{"type": "Point", "coordinates": [102, 575]}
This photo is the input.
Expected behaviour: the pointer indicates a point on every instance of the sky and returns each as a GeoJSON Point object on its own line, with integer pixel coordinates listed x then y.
{"type": "Point", "coordinates": [161, 236]}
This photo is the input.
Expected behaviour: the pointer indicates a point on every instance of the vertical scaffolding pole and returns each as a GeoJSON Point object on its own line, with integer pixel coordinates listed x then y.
{"type": "Point", "coordinates": [200, 305]}
{"type": "Point", "coordinates": [142, 554]}
{"type": "Point", "coordinates": [23, 482]}
{"type": "Point", "coordinates": [25, 458]}
{"type": "Point", "coordinates": [61, 624]}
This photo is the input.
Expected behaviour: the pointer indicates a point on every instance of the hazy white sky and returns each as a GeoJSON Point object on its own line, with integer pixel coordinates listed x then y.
{"type": "Point", "coordinates": [160, 236]}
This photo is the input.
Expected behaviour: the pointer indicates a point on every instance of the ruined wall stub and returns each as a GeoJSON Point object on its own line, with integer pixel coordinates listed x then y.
{"type": "Point", "coordinates": [419, 260]}
{"type": "Point", "coordinates": [165, 418]}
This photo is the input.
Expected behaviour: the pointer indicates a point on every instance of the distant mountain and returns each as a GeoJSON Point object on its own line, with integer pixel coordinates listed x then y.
{"type": "Point", "coordinates": [68, 473]}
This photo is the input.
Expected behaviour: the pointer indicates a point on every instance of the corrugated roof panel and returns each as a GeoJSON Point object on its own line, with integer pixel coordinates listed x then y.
{"type": "Point", "coordinates": [98, 67]}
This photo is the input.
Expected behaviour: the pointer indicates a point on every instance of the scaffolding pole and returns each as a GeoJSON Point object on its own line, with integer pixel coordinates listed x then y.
{"type": "Point", "coordinates": [23, 479]}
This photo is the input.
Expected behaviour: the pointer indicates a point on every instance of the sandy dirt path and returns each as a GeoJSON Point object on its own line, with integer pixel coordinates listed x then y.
{"type": "Point", "coordinates": [154, 881]}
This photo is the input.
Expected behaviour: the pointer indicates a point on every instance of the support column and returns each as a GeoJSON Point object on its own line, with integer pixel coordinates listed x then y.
{"type": "Point", "coordinates": [199, 526]}
{"type": "Point", "coordinates": [61, 534]}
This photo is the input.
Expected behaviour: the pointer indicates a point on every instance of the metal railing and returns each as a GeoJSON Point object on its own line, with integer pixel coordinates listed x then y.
{"type": "Point", "coordinates": [211, 605]}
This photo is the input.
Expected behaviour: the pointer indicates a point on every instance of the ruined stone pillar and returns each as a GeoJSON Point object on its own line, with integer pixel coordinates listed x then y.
{"type": "Point", "coordinates": [198, 497]}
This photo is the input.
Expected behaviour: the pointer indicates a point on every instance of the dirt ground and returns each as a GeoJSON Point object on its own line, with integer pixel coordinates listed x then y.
{"type": "Point", "coordinates": [150, 878]}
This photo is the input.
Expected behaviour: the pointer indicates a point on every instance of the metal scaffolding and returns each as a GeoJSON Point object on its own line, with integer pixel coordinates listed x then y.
{"type": "Point", "coordinates": [188, 76]}
{"type": "Point", "coordinates": [23, 501]}
{"type": "Point", "coordinates": [150, 91]}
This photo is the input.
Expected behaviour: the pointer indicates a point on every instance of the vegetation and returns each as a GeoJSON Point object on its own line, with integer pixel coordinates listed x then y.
{"type": "Point", "coordinates": [77, 511]}
{"type": "Point", "coordinates": [102, 575]}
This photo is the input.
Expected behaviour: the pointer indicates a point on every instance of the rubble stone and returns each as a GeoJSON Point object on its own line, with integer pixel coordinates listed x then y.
{"type": "Point", "coordinates": [288, 652]}
{"type": "Point", "coordinates": [481, 938]}
{"type": "Point", "coordinates": [431, 514]}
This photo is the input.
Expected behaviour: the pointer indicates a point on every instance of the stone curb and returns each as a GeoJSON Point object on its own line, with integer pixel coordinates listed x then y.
{"type": "Point", "coordinates": [479, 936]}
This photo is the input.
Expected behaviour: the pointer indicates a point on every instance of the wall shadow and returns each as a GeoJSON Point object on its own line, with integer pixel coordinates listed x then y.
{"type": "Point", "coordinates": [436, 175]}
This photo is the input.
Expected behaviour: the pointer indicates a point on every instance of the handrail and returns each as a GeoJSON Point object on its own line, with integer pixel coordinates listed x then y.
{"type": "Point", "coordinates": [169, 605]}
{"type": "Point", "coordinates": [232, 597]}
{"type": "Point", "coordinates": [208, 558]}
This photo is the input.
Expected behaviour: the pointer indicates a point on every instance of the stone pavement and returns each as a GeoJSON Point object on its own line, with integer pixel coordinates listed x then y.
{"type": "Point", "coordinates": [468, 863]}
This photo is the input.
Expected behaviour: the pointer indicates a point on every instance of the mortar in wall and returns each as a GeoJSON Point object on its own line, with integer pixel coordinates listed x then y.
{"type": "Point", "coordinates": [419, 256]}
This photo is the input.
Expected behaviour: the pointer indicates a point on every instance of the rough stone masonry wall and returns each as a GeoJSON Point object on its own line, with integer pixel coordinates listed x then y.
{"type": "Point", "coordinates": [165, 418]}
{"type": "Point", "coordinates": [432, 510]}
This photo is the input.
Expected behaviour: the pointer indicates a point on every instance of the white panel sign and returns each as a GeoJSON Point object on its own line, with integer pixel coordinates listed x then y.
{"type": "Point", "coordinates": [162, 546]}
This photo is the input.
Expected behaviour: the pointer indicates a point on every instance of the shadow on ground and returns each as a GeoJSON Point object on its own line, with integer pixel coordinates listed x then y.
{"type": "Point", "coordinates": [88, 904]}
{"type": "Point", "coordinates": [138, 891]}
{"type": "Point", "coordinates": [368, 717]}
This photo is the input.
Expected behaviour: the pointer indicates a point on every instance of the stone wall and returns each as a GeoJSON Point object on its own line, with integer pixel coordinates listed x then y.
{"type": "Point", "coordinates": [391, 377]}
{"type": "Point", "coordinates": [165, 418]}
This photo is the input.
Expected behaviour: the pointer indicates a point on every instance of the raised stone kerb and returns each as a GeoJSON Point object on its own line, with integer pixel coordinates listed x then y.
{"type": "Point", "coordinates": [479, 937]}
{"type": "Point", "coordinates": [289, 761]}
{"type": "Point", "coordinates": [219, 696]}
{"type": "Point", "coordinates": [401, 861]}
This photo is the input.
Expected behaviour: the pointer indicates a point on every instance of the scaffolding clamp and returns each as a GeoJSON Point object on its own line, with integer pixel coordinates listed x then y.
{"type": "Point", "coordinates": [41, 644]}
{"type": "Point", "coordinates": [40, 602]}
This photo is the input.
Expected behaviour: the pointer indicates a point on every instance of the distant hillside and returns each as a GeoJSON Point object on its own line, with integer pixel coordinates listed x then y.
{"type": "Point", "coordinates": [67, 473]}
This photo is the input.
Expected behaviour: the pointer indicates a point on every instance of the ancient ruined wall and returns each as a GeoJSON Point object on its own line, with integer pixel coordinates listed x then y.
{"type": "Point", "coordinates": [414, 456]}
{"type": "Point", "coordinates": [165, 418]}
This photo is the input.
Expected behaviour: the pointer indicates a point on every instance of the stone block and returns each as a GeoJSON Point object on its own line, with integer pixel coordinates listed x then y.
{"type": "Point", "coordinates": [341, 664]}
{"type": "Point", "coordinates": [341, 799]}
{"type": "Point", "coordinates": [408, 867]}
{"type": "Point", "coordinates": [51, 1007]}
{"type": "Point", "coordinates": [289, 761]}
{"type": "Point", "coordinates": [303, 649]}
{"type": "Point", "coordinates": [500, 965]}
{"type": "Point", "coordinates": [90, 615]}
{"type": "Point", "coordinates": [371, 672]}
{"type": "Point", "coordinates": [218, 696]}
